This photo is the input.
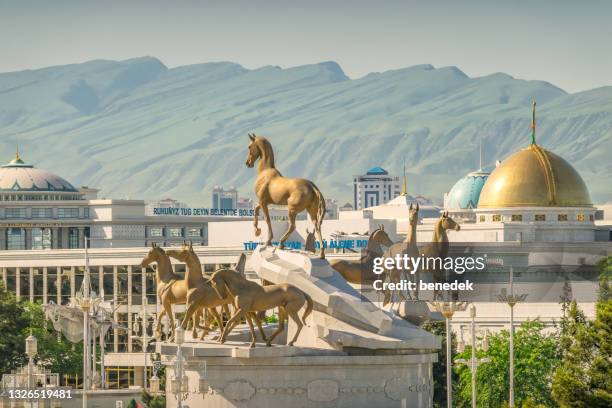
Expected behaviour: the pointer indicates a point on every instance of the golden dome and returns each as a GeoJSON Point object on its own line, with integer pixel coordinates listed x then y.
{"type": "Point", "coordinates": [534, 177]}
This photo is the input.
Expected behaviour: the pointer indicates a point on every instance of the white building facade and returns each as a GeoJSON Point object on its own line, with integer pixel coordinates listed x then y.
{"type": "Point", "coordinates": [376, 187]}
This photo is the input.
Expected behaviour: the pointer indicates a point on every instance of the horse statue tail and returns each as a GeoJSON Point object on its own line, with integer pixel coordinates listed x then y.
{"type": "Point", "coordinates": [309, 307]}
{"type": "Point", "coordinates": [321, 211]}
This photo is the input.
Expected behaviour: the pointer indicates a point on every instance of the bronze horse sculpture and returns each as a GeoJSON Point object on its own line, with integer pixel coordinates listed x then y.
{"type": "Point", "coordinates": [272, 188]}
{"type": "Point", "coordinates": [309, 245]}
{"type": "Point", "coordinates": [407, 247]}
{"type": "Point", "coordinates": [250, 298]}
{"type": "Point", "coordinates": [361, 271]}
{"type": "Point", "coordinates": [438, 248]}
{"type": "Point", "coordinates": [200, 294]}
{"type": "Point", "coordinates": [171, 288]}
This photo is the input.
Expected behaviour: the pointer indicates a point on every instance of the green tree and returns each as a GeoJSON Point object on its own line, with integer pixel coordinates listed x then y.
{"type": "Point", "coordinates": [150, 401]}
{"type": "Point", "coordinates": [13, 324]}
{"type": "Point", "coordinates": [535, 358]}
{"type": "Point", "coordinates": [584, 378]}
{"type": "Point", "coordinates": [439, 368]}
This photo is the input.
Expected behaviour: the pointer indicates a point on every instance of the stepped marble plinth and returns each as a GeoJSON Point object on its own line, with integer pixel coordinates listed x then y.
{"type": "Point", "coordinates": [342, 317]}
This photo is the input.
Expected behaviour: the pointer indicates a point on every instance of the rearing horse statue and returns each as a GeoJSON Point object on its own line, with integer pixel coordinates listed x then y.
{"type": "Point", "coordinates": [272, 188]}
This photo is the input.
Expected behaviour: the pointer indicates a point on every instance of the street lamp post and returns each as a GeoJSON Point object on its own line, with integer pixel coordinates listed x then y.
{"type": "Point", "coordinates": [448, 309]}
{"type": "Point", "coordinates": [143, 338]}
{"type": "Point", "coordinates": [473, 362]}
{"type": "Point", "coordinates": [511, 299]}
{"type": "Point", "coordinates": [154, 381]}
{"type": "Point", "coordinates": [179, 384]}
{"type": "Point", "coordinates": [31, 351]}
{"type": "Point", "coordinates": [85, 301]}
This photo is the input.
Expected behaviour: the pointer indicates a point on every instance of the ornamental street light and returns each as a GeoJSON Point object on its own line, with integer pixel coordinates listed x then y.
{"type": "Point", "coordinates": [511, 299]}
{"type": "Point", "coordinates": [31, 346]}
{"type": "Point", "coordinates": [154, 381]}
{"type": "Point", "coordinates": [179, 385]}
{"type": "Point", "coordinates": [143, 324]}
{"type": "Point", "coordinates": [448, 309]}
{"type": "Point", "coordinates": [474, 362]}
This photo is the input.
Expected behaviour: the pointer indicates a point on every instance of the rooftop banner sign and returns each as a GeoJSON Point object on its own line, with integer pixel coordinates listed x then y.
{"type": "Point", "coordinates": [198, 212]}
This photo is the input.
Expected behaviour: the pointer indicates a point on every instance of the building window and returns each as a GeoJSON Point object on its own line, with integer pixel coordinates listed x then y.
{"type": "Point", "coordinates": [73, 238]}
{"type": "Point", "coordinates": [540, 217]}
{"type": "Point", "coordinates": [496, 218]}
{"type": "Point", "coordinates": [67, 213]}
{"type": "Point", "coordinates": [41, 238]}
{"type": "Point", "coordinates": [562, 217]}
{"type": "Point", "coordinates": [517, 217]}
{"type": "Point", "coordinates": [591, 217]}
{"type": "Point", "coordinates": [15, 239]}
{"type": "Point", "coordinates": [15, 213]}
{"type": "Point", "coordinates": [194, 232]}
{"type": "Point", "coordinates": [482, 218]}
{"type": "Point", "coordinates": [86, 212]}
{"type": "Point", "coordinates": [156, 232]}
{"type": "Point", "coordinates": [119, 377]}
{"type": "Point", "coordinates": [42, 212]}
{"type": "Point", "coordinates": [175, 232]}
{"type": "Point", "coordinates": [579, 217]}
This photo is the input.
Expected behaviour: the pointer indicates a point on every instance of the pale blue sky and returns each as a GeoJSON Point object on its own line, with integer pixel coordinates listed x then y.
{"type": "Point", "coordinates": [568, 43]}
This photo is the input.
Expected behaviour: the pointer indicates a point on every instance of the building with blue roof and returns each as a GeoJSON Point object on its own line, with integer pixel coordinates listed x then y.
{"type": "Point", "coordinates": [376, 187]}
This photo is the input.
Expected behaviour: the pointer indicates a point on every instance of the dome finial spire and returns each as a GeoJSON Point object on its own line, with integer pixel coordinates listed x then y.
{"type": "Point", "coordinates": [533, 123]}
{"type": "Point", "coordinates": [17, 157]}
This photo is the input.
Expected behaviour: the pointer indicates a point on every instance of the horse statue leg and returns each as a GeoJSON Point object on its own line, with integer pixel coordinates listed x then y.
{"type": "Point", "coordinates": [167, 303]}
{"type": "Point", "coordinates": [281, 325]}
{"type": "Point", "coordinates": [315, 215]}
{"type": "Point", "coordinates": [264, 208]}
{"type": "Point", "coordinates": [256, 220]}
{"type": "Point", "coordinates": [291, 214]}
{"type": "Point", "coordinates": [158, 331]}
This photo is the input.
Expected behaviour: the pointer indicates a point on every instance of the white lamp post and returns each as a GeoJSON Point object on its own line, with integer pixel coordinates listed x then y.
{"type": "Point", "coordinates": [154, 381]}
{"type": "Point", "coordinates": [473, 362]}
{"type": "Point", "coordinates": [143, 338]}
{"type": "Point", "coordinates": [511, 299]}
{"type": "Point", "coordinates": [448, 309]}
{"type": "Point", "coordinates": [179, 385]}
{"type": "Point", "coordinates": [31, 346]}
{"type": "Point", "coordinates": [84, 300]}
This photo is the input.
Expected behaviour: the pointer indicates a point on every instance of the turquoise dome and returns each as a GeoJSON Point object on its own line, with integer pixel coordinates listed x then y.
{"type": "Point", "coordinates": [466, 192]}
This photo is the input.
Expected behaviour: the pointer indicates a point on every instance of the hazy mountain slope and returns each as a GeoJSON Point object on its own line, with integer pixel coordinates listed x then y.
{"type": "Point", "coordinates": [135, 128]}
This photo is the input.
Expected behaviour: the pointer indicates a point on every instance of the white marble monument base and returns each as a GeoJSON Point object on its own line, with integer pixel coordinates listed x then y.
{"type": "Point", "coordinates": [282, 376]}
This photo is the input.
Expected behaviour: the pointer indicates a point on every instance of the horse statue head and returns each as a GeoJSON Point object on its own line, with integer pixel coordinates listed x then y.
{"type": "Point", "coordinates": [184, 254]}
{"type": "Point", "coordinates": [309, 245]}
{"type": "Point", "coordinates": [154, 255]}
{"type": "Point", "coordinates": [259, 148]}
{"type": "Point", "coordinates": [413, 215]}
{"type": "Point", "coordinates": [447, 223]}
{"type": "Point", "coordinates": [378, 238]}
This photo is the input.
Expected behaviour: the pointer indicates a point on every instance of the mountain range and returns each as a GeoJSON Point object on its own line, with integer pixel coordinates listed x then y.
{"type": "Point", "coordinates": [138, 129]}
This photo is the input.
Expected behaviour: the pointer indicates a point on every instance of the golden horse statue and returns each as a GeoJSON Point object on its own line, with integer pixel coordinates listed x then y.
{"type": "Point", "coordinates": [407, 247]}
{"type": "Point", "coordinates": [204, 296]}
{"type": "Point", "coordinates": [171, 288]}
{"type": "Point", "coordinates": [272, 188]}
{"type": "Point", "coordinates": [250, 298]}
{"type": "Point", "coordinates": [309, 245]}
{"type": "Point", "coordinates": [438, 248]}
{"type": "Point", "coordinates": [361, 271]}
